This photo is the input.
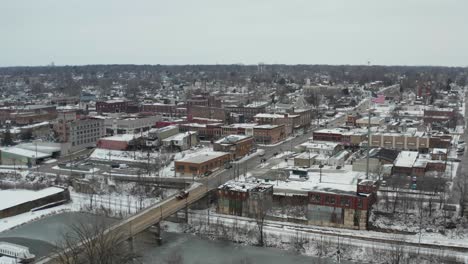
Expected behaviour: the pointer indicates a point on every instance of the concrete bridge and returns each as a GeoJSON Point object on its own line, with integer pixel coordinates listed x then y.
{"type": "Point", "coordinates": [167, 182]}
{"type": "Point", "coordinates": [151, 216]}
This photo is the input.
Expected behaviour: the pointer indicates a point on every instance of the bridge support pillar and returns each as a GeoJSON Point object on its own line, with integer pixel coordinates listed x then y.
{"type": "Point", "coordinates": [158, 234]}
{"type": "Point", "coordinates": [131, 243]}
{"type": "Point", "coordinates": [186, 214]}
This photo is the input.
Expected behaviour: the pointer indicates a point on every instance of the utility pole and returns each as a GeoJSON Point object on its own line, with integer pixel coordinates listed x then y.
{"type": "Point", "coordinates": [368, 142]}
{"type": "Point", "coordinates": [37, 166]}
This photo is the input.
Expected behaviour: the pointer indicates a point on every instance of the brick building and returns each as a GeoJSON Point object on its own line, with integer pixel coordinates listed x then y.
{"type": "Point", "coordinates": [208, 112]}
{"type": "Point", "coordinates": [246, 199]}
{"type": "Point", "coordinates": [117, 106]}
{"type": "Point", "coordinates": [248, 111]}
{"type": "Point", "coordinates": [117, 142]}
{"type": "Point", "coordinates": [205, 131]}
{"type": "Point", "coordinates": [237, 145]}
{"type": "Point", "coordinates": [401, 141]}
{"type": "Point", "coordinates": [333, 135]}
{"type": "Point", "coordinates": [269, 134]}
{"type": "Point", "coordinates": [167, 110]}
{"type": "Point", "coordinates": [204, 99]}
{"type": "Point", "coordinates": [80, 133]}
{"type": "Point", "coordinates": [441, 115]}
{"type": "Point", "coordinates": [28, 114]}
{"type": "Point", "coordinates": [291, 122]}
{"type": "Point", "coordinates": [342, 209]}
{"type": "Point", "coordinates": [202, 163]}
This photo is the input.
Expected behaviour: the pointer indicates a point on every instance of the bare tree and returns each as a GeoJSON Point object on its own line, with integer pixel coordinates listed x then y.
{"type": "Point", "coordinates": [262, 207]}
{"type": "Point", "coordinates": [461, 187]}
{"type": "Point", "coordinates": [396, 254]}
{"type": "Point", "coordinates": [90, 243]}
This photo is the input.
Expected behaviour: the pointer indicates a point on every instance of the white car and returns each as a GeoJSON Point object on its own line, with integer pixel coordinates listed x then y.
{"type": "Point", "coordinates": [123, 166]}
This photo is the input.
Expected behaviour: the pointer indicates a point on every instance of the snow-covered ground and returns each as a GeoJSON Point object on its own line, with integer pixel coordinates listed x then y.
{"type": "Point", "coordinates": [356, 245]}
{"type": "Point", "coordinates": [76, 170]}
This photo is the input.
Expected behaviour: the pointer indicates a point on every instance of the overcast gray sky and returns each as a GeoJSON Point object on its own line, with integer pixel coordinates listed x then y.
{"type": "Point", "coordinates": [396, 32]}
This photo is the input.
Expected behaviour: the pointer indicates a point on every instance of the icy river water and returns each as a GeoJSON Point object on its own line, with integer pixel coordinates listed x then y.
{"type": "Point", "coordinates": [40, 236]}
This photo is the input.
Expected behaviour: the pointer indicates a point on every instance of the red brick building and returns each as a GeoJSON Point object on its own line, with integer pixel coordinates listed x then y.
{"type": "Point", "coordinates": [237, 145]}
{"type": "Point", "coordinates": [333, 135]}
{"type": "Point", "coordinates": [346, 210]}
{"type": "Point", "coordinates": [202, 163]}
{"type": "Point", "coordinates": [269, 134]}
{"type": "Point", "coordinates": [171, 110]}
{"type": "Point", "coordinates": [117, 106]}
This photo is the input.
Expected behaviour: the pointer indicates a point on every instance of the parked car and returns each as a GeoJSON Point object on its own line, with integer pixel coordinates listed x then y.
{"type": "Point", "coordinates": [123, 166]}
{"type": "Point", "coordinates": [115, 165]}
{"type": "Point", "coordinates": [182, 195]}
{"type": "Point", "coordinates": [207, 173]}
{"type": "Point", "coordinates": [227, 165]}
{"type": "Point", "coordinates": [261, 152]}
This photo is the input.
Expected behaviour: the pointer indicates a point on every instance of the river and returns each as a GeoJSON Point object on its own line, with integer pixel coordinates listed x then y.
{"type": "Point", "coordinates": [41, 235]}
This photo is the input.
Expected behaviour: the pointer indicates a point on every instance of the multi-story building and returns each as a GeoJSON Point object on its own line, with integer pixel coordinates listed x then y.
{"type": "Point", "coordinates": [248, 199]}
{"type": "Point", "coordinates": [353, 138]}
{"type": "Point", "coordinates": [167, 110]}
{"type": "Point", "coordinates": [290, 122]}
{"type": "Point", "coordinates": [208, 112]}
{"type": "Point", "coordinates": [401, 141]}
{"type": "Point", "coordinates": [269, 134]}
{"type": "Point", "coordinates": [374, 121]}
{"type": "Point", "coordinates": [156, 135]}
{"type": "Point", "coordinates": [205, 131]}
{"type": "Point", "coordinates": [79, 134]}
{"type": "Point", "coordinates": [238, 129]}
{"type": "Point", "coordinates": [439, 115]}
{"type": "Point", "coordinates": [181, 141]}
{"type": "Point", "coordinates": [248, 111]}
{"type": "Point", "coordinates": [413, 163]}
{"type": "Point", "coordinates": [346, 208]}
{"type": "Point", "coordinates": [333, 135]}
{"type": "Point", "coordinates": [237, 145]}
{"type": "Point", "coordinates": [130, 124]}
{"type": "Point", "coordinates": [305, 116]}
{"type": "Point", "coordinates": [117, 106]}
{"type": "Point", "coordinates": [27, 114]}
{"type": "Point", "coordinates": [203, 100]}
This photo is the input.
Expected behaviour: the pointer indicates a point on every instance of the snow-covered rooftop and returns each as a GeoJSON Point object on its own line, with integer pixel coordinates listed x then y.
{"type": "Point", "coordinates": [244, 186]}
{"type": "Point", "coordinates": [10, 198]}
{"type": "Point", "coordinates": [202, 157]}
{"type": "Point", "coordinates": [342, 181]}
{"type": "Point", "coordinates": [231, 139]}
{"type": "Point", "coordinates": [25, 152]}
{"type": "Point", "coordinates": [122, 137]}
{"type": "Point", "coordinates": [406, 159]}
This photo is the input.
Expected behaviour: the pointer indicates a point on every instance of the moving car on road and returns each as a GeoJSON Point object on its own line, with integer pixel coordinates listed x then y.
{"type": "Point", "coordinates": [182, 195]}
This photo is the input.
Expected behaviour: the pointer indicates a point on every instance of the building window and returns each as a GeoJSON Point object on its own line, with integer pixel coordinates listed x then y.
{"type": "Point", "coordinates": [191, 168]}
{"type": "Point", "coordinates": [330, 199]}
{"type": "Point", "coordinates": [315, 198]}
{"type": "Point", "coordinates": [344, 201]}
{"type": "Point", "coordinates": [360, 204]}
